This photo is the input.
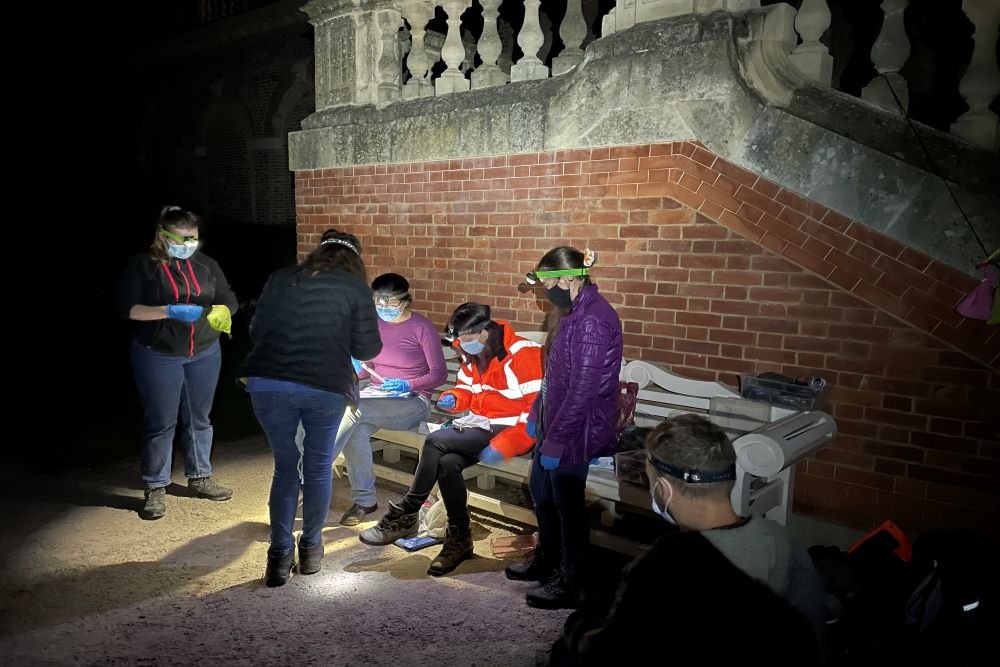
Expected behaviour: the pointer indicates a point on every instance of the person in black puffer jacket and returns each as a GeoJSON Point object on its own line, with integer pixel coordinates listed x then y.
{"type": "Point", "coordinates": [311, 319]}
{"type": "Point", "coordinates": [178, 300]}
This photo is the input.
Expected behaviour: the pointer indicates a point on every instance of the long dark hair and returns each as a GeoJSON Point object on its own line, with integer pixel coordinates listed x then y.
{"type": "Point", "coordinates": [558, 259]}
{"type": "Point", "coordinates": [471, 317]}
{"type": "Point", "coordinates": [337, 251]}
{"type": "Point", "coordinates": [177, 217]}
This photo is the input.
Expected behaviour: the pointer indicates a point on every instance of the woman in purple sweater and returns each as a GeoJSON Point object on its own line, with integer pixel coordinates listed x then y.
{"type": "Point", "coordinates": [411, 360]}
{"type": "Point", "coordinates": [573, 420]}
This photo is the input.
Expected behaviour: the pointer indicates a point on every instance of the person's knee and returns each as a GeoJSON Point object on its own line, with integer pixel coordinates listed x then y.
{"type": "Point", "coordinates": [451, 465]}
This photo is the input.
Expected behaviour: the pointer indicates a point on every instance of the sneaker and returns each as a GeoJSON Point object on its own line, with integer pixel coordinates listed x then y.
{"type": "Point", "coordinates": [310, 558]}
{"type": "Point", "coordinates": [536, 569]}
{"type": "Point", "coordinates": [555, 594]}
{"type": "Point", "coordinates": [279, 568]}
{"type": "Point", "coordinates": [457, 548]}
{"type": "Point", "coordinates": [356, 513]}
{"type": "Point", "coordinates": [156, 504]}
{"type": "Point", "coordinates": [395, 524]}
{"type": "Point", "coordinates": [207, 487]}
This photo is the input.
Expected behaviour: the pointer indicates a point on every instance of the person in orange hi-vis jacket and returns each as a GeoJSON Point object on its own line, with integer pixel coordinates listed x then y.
{"type": "Point", "coordinates": [499, 378]}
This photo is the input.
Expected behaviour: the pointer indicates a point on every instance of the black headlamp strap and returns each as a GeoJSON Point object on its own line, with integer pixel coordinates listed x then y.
{"type": "Point", "coordinates": [693, 476]}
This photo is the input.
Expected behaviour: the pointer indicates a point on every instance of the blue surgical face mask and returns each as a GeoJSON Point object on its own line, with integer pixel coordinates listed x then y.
{"type": "Point", "coordinates": [472, 347]}
{"type": "Point", "coordinates": [182, 251]}
{"type": "Point", "coordinates": [388, 314]}
{"type": "Point", "coordinates": [664, 511]}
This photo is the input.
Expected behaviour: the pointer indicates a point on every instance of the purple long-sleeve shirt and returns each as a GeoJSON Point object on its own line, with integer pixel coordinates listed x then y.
{"type": "Point", "coordinates": [411, 350]}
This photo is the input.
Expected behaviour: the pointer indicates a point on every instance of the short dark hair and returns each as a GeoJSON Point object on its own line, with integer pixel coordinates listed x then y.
{"type": "Point", "coordinates": [691, 442]}
{"type": "Point", "coordinates": [392, 284]}
{"type": "Point", "coordinates": [337, 251]}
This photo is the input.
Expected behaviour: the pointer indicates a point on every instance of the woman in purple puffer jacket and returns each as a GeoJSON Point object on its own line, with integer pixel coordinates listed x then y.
{"type": "Point", "coordinates": [574, 421]}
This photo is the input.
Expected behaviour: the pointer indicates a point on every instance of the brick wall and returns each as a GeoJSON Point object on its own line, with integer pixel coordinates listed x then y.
{"type": "Point", "coordinates": [714, 272]}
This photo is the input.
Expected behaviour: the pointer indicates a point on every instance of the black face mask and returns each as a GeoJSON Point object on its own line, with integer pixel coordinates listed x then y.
{"type": "Point", "coordinates": [559, 296]}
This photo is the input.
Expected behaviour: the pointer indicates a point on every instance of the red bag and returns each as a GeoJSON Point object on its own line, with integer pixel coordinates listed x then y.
{"type": "Point", "coordinates": [628, 393]}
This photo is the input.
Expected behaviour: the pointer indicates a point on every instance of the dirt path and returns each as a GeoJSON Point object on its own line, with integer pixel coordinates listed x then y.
{"type": "Point", "coordinates": [83, 581]}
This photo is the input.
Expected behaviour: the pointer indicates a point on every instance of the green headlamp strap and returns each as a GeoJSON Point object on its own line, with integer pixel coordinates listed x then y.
{"type": "Point", "coordinates": [177, 237]}
{"type": "Point", "coordinates": [535, 276]}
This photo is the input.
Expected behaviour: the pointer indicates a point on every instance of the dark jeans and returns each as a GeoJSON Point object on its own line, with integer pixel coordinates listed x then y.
{"type": "Point", "coordinates": [561, 510]}
{"type": "Point", "coordinates": [446, 453]}
{"type": "Point", "coordinates": [175, 391]}
{"type": "Point", "coordinates": [279, 414]}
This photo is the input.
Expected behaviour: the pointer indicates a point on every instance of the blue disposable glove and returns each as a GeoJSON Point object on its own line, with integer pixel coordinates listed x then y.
{"type": "Point", "coordinates": [447, 402]}
{"type": "Point", "coordinates": [532, 428]}
{"type": "Point", "coordinates": [490, 455]}
{"type": "Point", "coordinates": [396, 385]}
{"type": "Point", "coordinates": [549, 462]}
{"type": "Point", "coordinates": [594, 461]}
{"type": "Point", "coordinates": [356, 364]}
{"type": "Point", "coordinates": [184, 312]}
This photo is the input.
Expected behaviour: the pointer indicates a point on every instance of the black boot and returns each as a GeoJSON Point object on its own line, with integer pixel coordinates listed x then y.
{"type": "Point", "coordinates": [156, 504]}
{"type": "Point", "coordinates": [539, 568]}
{"type": "Point", "coordinates": [310, 558]}
{"type": "Point", "coordinates": [278, 569]}
{"type": "Point", "coordinates": [457, 547]}
{"type": "Point", "coordinates": [395, 524]}
{"type": "Point", "coordinates": [555, 594]}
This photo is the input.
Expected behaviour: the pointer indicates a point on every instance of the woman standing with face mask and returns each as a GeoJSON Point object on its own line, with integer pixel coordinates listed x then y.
{"type": "Point", "coordinates": [574, 421]}
{"type": "Point", "coordinates": [411, 361]}
{"type": "Point", "coordinates": [179, 301]}
{"type": "Point", "coordinates": [499, 376]}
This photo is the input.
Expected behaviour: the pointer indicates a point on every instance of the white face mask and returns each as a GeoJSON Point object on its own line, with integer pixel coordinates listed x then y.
{"type": "Point", "coordinates": [182, 251]}
{"type": "Point", "coordinates": [665, 510]}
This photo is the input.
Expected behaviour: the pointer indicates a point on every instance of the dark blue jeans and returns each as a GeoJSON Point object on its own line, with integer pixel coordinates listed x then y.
{"type": "Point", "coordinates": [176, 394]}
{"type": "Point", "coordinates": [561, 509]}
{"type": "Point", "coordinates": [279, 414]}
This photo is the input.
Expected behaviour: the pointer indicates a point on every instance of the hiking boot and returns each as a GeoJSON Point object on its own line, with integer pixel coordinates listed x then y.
{"type": "Point", "coordinates": [310, 558]}
{"type": "Point", "coordinates": [536, 569]}
{"type": "Point", "coordinates": [356, 513]}
{"type": "Point", "coordinates": [457, 547]}
{"type": "Point", "coordinates": [555, 594]}
{"type": "Point", "coordinates": [279, 568]}
{"type": "Point", "coordinates": [156, 504]}
{"type": "Point", "coordinates": [395, 524]}
{"type": "Point", "coordinates": [207, 487]}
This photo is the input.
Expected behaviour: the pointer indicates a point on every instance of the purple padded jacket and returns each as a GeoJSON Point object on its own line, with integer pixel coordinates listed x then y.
{"type": "Point", "coordinates": [581, 382]}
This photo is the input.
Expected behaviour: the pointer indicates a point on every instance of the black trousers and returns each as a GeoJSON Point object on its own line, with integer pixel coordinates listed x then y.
{"type": "Point", "coordinates": [446, 453]}
{"type": "Point", "coordinates": [561, 510]}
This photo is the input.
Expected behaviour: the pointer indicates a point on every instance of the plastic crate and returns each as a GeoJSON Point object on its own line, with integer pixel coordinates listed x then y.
{"type": "Point", "coordinates": [785, 394]}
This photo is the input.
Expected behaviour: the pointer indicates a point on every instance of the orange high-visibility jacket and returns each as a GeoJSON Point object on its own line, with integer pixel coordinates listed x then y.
{"type": "Point", "coordinates": [504, 392]}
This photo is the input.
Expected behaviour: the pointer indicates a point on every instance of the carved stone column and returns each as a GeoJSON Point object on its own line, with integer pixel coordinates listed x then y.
{"type": "Point", "coordinates": [981, 82]}
{"type": "Point", "coordinates": [572, 31]}
{"type": "Point", "coordinates": [357, 56]}
{"type": "Point", "coordinates": [889, 54]}
{"type": "Point", "coordinates": [530, 40]}
{"type": "Point", "coordinates": [418, 13]}
{"type": "Point", "coordinates": [812, 57]}
{"type": "Point", "coordinates": [452, 80]}
{"type": "Point", "coordinates": [489, 73]}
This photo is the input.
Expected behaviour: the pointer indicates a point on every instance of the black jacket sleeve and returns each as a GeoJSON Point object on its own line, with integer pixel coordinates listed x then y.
{"type": "Point", "coordinates": [130, 286]}
{"type": "Point", "coordinates": [223, 292]}
{"type": "Point", "coordinates": [365, 340]}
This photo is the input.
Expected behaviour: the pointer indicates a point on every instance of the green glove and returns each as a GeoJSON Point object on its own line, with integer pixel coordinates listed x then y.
{"type": "Point", "coordinates": [221, 319]}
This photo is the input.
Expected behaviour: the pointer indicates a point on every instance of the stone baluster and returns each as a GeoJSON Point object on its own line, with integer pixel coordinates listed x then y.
{"type": "Point", "coordinates": [981, 82]}
{"type": "Point", "coordinates": [489, 73]}
{"type": "Point", "coordinates": [530, 40]}
{"type": "Point", "coordinates": [889, 54]}
{"type": "Point", "coordinates": [452, 80]}
{"type": "Point", "coordinates": [572, 32]}
{"type": "Point", "coordinates": [812, 57]}
{"type": "Point", "coordinates": [388, 69]}
{"type": "Point", "coordinates": [418, 13]}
